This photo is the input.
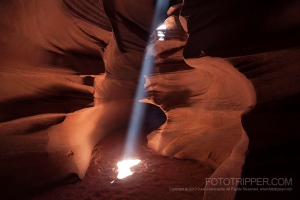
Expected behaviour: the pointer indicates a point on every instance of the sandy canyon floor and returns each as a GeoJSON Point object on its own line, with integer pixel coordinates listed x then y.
{"type": "Point", "coordinates": [156, 177]}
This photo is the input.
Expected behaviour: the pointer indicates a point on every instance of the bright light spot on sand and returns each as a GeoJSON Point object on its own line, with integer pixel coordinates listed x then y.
{"type": "Point", "coordinates": [162, 27]}
{"type": "Point", "coordinates": [161, 39]}
{"type": "Point", "coordinates": [124, 167]}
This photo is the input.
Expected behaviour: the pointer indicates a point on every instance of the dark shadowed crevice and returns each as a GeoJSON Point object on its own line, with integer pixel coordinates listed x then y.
{"type": "Point", "coordinates": [273, 131]}
{"type": "Point", "coordinates": [58, 100]}
{"type": "Point", "coordinates": [154, 117]}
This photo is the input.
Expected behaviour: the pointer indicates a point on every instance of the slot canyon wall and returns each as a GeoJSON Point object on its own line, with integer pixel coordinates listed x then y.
{"type": "Point", "coordinates": [226, 76]}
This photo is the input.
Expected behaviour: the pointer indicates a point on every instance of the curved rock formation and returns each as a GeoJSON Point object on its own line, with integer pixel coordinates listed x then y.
{"type": "Point", "coordinates": [69, 72]}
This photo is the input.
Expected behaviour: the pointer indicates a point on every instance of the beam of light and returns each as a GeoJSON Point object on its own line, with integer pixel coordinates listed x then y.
{"type": "Point", "coordinates": [138, 110]}
{"type": "Point", "coordinates": [124, 167]}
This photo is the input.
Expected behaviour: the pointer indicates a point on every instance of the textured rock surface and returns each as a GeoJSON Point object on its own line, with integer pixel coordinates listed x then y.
{"type": "Point", "coordinates": [69, 71]}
